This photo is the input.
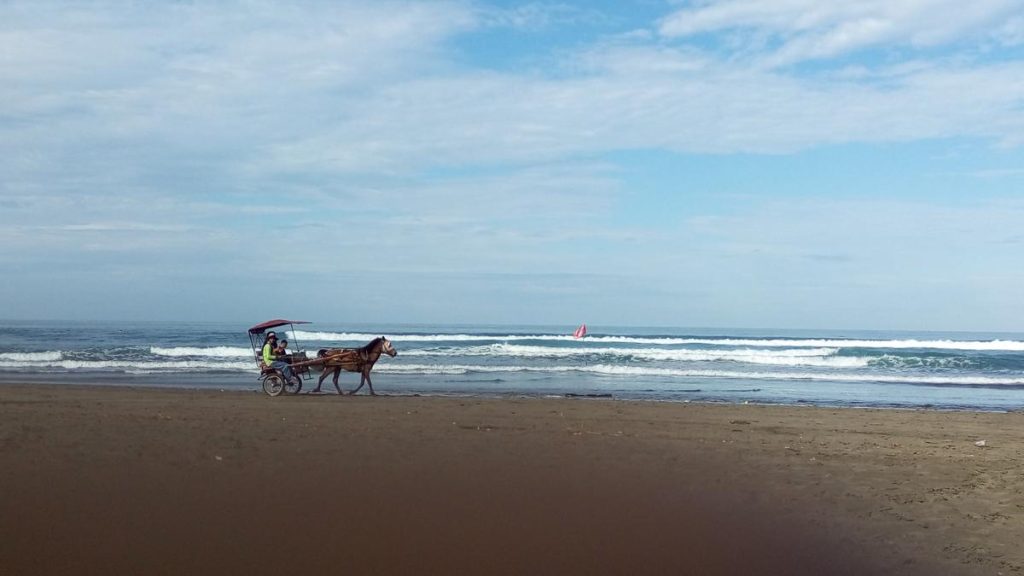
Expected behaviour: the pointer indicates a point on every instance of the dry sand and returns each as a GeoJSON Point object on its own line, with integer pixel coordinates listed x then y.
{"type": "Point", "coordinates": [104, 480]}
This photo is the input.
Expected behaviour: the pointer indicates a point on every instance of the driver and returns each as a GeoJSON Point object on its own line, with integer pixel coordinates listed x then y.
{"type": "Point", "coordinates": [270, 358]}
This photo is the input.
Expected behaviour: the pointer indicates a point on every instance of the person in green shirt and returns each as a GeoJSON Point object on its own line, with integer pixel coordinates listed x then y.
{"type": "Point", "coordinates": [271, 358]}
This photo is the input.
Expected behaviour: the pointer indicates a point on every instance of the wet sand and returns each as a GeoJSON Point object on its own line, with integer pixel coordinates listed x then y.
{"type": "Point", "coordinates": [112, 480]}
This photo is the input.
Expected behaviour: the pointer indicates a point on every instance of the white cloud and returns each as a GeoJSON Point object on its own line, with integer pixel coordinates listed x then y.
{"type": "Point", "coordinates": [193, 117]}
{"type": "Point", "coordinates": [1012, 33]}
{"type": "Point", "coordinates": [120, 92]}
{"type": "Point", "coordinates": [534, 16]}
{"type": "Point", "coordinates": [810, 29]}
{"type": "Point", "coordinates": [121, 227]}
{"type": "Point", "coordinates": [471, 119]}
{"type": "Point", "coordinates": [254, 96]}
{"type": "Point", "coordinates": [158, 133]}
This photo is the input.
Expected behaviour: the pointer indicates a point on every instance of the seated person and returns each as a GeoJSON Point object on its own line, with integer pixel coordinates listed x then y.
{"type": "Point", "coordinates": [282, 348]}
{"type": "Point", "coordinates": [270, 358]}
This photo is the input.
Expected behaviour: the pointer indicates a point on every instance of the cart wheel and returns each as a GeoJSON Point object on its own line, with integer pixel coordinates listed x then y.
{"type": "Point", "coordinates": [293, 386]}
{"type": "Point", "coordinates": [273, 385]}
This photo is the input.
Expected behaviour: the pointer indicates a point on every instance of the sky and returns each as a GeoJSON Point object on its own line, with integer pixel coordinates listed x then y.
{"type": "Point", "coordinates": [851, 164]}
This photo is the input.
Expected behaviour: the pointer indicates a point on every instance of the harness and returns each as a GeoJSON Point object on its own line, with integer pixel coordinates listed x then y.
{"type": "Point", "coordinates": [353, 359]}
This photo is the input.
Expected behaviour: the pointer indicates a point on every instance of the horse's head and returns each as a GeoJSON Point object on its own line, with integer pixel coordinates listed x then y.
{"type": "Point", "coordinates": [388, 348]}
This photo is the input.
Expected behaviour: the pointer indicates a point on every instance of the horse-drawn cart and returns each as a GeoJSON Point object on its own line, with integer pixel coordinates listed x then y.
{"type": "Point", "coordinates": [328, 360]}
{"type": "Point", "coordinates": [273, 379]}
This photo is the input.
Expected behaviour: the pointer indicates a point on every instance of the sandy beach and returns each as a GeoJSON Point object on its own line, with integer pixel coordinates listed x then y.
{"type": "Point", "coordinates": [114, 480]}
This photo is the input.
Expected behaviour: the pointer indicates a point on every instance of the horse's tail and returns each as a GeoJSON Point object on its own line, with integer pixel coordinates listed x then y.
{"type": "Point", "coordinates": [322, 352]}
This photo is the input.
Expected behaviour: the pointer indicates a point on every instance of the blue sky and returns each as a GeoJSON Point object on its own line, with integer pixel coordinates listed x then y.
{"type": "Point", "coordinates": [714, 163]}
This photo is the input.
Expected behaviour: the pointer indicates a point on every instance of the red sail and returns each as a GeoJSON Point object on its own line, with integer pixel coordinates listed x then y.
{"type": "Point", "coordinates": [581, 331]}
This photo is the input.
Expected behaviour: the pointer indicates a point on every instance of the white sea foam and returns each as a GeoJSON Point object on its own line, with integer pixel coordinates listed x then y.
{"type": "Point", "coordinates": [212, 351]}
{"type": "Point", "coordinates": [31, 356]}
{"type": "Point", "coordinates": [504, 349]}
{"type": "Point", "coordinates": [307, 335]}
{"type": "Point", "coordinates": [891, 361]}
{"type": "Point", "coordinates": [638, 371]}
{"type": "Point", "coordinates": [823, 357]}
{"type": "Point", "coordinates": [975, 345]}
{"type": "Point", "coordinates": [130, 365]}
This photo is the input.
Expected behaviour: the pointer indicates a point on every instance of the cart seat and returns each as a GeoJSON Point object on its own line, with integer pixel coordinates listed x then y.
{"type": "Point", "coordinates": [263, 367]}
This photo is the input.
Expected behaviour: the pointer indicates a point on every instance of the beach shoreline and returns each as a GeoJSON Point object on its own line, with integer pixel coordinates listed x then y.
{"type": "Point", "coordinates": [248, 384]}
{"type": "Point", "coordinates": [957, 371]}
{"type": "Point", "coordinates": [101, 479]}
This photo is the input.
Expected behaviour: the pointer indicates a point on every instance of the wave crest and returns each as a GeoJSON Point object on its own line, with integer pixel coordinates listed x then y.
{"type": "Point", "coordinates": [131, 366]}
{"type": "Point", "coordinates": [822, 357]}
{"type": "Point", "coordinates": [635, 371]}
{"type": "Point", "coordinates": [973, 345]}
{"type": "Point", "coordinates": [211, 351]}
{"type": "Point", "coordinates": [31, 356]}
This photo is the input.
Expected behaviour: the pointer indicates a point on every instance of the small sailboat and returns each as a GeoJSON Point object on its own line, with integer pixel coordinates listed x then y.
{"type": "Point", "coordinates": [580, 332]}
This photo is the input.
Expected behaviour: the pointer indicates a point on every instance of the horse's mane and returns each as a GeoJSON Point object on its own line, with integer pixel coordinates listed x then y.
{"type": "Point", "coordinates": [372, 343]}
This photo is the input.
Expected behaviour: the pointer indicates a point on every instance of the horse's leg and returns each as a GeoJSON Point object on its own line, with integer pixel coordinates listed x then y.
{"type": "Point", "coordinates": [366, 375]}
{"type": "Point", "coordinates": [362, 381]}
{"type": "Point", "coordinates": [323, 375]}
{"type": "Point", "coordinates": [337, 372]}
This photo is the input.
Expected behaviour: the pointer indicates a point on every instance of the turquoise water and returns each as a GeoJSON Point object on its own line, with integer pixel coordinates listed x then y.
{"type": "Point", "coordinates": [841, 368]}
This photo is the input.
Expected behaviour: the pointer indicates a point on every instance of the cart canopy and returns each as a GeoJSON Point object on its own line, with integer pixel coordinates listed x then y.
{"type": "Point", "coordinates": [260, 328]}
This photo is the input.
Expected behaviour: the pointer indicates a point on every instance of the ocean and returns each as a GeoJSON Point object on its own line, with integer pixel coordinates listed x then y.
{"type": "Point", "coordinates": [954, 371]}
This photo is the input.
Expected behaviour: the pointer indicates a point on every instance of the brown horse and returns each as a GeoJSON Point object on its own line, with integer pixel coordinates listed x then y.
{"type": "Point", "coordinates": [353, 360]}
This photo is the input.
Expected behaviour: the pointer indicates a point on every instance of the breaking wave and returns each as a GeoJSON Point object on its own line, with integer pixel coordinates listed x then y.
{"type": "Point", "coordinates": [211, 351]}
{"type": "Point", "coordinates": [134, 366]}
{"type": "Point", "coordinates": [636, 371]}
{"type": "Point", "coordinates": [31, 356]}
{"type": "Point", "coordinates": [822, 357]}
{"type": "Point", "coordinates": [973, 345]}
